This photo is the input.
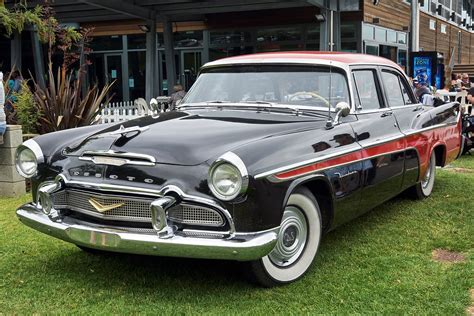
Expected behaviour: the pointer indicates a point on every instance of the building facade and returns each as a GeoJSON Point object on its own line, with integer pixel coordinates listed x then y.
{"type": "Point", "coordinates": [128, 51]}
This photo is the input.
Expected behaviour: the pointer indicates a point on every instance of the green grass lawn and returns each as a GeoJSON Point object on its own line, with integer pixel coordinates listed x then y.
{"type": "Point", "coordinates": [379, 263]}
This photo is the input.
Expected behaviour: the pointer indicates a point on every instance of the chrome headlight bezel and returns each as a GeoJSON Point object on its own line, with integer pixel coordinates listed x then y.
{"type": "Point", "coordinates": [36, 152]}
{"type": "Point", "coordinates": [238, 165]}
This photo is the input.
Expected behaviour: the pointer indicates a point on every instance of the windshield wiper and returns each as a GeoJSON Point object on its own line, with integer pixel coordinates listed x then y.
{"type": "Point", "coordinates": [257, 102]}
{"type": "Point", "coordinates": [217, 101]}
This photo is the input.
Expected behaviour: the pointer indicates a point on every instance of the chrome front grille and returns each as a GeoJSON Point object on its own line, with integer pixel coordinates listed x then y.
{"type": "Point", "coordinates": [195, 215]}
{"type": "Point", "coordinates": [131, 208]}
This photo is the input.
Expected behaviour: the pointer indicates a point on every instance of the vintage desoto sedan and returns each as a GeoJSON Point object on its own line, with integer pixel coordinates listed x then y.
{"type": "Point", "coordinates": [264, 155]}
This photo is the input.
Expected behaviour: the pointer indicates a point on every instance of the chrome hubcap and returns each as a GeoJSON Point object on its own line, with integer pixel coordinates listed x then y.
{"type": "Point", "coordinates": [292, 238]}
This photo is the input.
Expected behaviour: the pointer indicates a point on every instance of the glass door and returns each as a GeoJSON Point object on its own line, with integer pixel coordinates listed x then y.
{"type": "Point", "coordinates": [191, 61]}
{"type": "Point", "coordinates": [113, 71]}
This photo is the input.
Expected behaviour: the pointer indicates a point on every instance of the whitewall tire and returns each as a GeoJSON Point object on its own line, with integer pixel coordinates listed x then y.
{"type": "Point", "coordinates": [424, 188]}
{"type": "Point", "coordinates": [297, 244]}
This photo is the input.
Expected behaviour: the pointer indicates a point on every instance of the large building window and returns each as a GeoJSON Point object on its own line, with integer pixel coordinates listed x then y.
{"type": "Point", "coordinates": [385, 42]}
{"type": "Point", "coordinates": [456, 11]}
{"type": "Point", "coordinates": [103, 43]}
{"type": "Point", "coordinates": [349, 36]}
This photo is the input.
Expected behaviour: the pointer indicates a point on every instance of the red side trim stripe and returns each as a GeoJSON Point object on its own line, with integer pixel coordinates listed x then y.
{"type": "Point", "coordinates": [423, 142]}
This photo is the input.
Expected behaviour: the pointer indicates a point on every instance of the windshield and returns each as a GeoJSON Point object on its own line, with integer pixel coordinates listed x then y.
{"type": "Point", "coordinates": [288, 85]}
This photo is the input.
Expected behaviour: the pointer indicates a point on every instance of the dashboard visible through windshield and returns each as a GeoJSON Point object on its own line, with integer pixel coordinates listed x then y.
{"type": "Point", "coordinates": [273, 84]}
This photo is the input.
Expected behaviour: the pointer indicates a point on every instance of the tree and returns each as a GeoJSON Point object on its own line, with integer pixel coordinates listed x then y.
{"type": "Point", "coordinates": [61, 103]}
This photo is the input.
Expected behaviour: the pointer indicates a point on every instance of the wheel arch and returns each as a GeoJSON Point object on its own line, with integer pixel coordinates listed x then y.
{"type": "Point", "coordinates": [322, 190]}
{"type": "Point", "coordinates": [440, 152]}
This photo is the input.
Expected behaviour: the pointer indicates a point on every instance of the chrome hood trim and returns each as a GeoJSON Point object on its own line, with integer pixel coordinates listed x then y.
{"type": "Point", "coordinates": [114, 158]}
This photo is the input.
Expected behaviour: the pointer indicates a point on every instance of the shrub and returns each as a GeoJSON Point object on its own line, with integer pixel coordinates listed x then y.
{"type": "Point", "coordinates": [27, 112]}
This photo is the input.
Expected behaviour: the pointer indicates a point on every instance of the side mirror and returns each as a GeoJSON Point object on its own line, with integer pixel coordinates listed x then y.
{"type": "Point", "coordinates": [342, 110]}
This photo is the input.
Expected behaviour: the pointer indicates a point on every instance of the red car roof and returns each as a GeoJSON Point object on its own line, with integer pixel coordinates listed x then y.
{"type": "Point", "coordinates": [347, 58]}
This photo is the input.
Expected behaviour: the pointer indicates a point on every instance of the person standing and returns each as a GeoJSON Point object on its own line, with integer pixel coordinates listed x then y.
{"type": "Point", "coordinates": [3, 124]}
{"type": "Point", "coordinates": [420, 90]}
{"type": "Point", "coordinates": [178, 94]}
{"type": "Point", "coordinates": [465, 82]}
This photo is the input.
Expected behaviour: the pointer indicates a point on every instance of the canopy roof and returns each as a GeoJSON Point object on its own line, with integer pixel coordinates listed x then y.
{"type": "Point", "coordinates": [161, 10]}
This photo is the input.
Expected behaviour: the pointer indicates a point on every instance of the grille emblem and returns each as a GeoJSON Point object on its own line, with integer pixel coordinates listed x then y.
{"type": "Point", "coordinates": [104, 208]}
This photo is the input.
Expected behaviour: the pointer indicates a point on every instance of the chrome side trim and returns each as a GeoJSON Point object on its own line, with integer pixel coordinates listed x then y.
{"type": "Point", "coordinates": [429, 128]}
{"type": "Point", "coordinates": [307, 162]}
{"type": "Point", "coordinates": [347, 151]}
{"type": "Point", "coordinates": [274, 179]}
{"type": "Point", "coordinates": [244, 247]}
{"type": "Point", "coordinates": [382, 141]}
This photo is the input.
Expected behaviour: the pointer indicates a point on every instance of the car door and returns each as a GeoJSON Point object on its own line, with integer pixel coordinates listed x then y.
{"type": "Point", "coordinates": [406, 109]}
{"type": "Point", "coordinates": [378, 134]}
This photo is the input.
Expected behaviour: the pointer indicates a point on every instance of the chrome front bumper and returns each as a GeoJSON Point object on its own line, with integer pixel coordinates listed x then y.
{"type": "Point", "coordinates": [241, 246]}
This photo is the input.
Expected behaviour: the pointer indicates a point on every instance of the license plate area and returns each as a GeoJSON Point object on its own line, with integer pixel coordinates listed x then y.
{"type": "Point", "coordinates": [94, 238]}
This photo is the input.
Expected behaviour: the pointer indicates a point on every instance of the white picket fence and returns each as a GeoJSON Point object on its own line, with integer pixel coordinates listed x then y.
{"type": "Point", "coordinates": [129, 110]}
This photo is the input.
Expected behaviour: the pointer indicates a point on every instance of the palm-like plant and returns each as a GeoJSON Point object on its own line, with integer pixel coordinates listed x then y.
{"type": "Point", "coordinates": [62, 103]}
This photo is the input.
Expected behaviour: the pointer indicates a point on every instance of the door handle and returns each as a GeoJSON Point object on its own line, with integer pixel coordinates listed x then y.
{"type": "Point", "coordinates": [385, 114]}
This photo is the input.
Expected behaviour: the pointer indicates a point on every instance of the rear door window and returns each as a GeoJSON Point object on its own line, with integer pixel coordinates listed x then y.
{"type": "Point", "coordinates": [396, 90]}
{"type": "Point", "coordinates": [367, 91]}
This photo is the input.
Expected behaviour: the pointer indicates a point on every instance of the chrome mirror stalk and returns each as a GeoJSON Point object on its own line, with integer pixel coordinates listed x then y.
{"type": "Point", "coordinates": [158, 216]}
{"type": "Point", "coordinates": [342, 110]}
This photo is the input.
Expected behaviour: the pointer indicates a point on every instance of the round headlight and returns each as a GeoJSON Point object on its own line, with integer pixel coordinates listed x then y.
{"type": "Point", "coordinates": [26, 162]}
{"type": "Point", "coordinates": [225, 181]}
{"type": "Point", "coordinates": [228, 177]}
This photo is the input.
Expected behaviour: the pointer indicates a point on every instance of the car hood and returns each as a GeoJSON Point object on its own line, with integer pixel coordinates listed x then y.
{"type": "Point", "coordinates": [195, 136]}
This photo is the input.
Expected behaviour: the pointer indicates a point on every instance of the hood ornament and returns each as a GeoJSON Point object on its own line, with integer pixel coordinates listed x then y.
{"type": "Point", "coordinates": [124, 131]}
{"type": "Point", "coordinates": [121, 132]}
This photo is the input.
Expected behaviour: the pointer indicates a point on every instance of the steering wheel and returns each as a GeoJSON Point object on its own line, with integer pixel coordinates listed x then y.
{"type": "Point", "coordinates": [312, 94]}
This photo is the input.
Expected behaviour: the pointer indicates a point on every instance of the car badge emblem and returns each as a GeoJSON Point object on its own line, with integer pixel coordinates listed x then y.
{"type": "Point", "coordinates": [104, 208]}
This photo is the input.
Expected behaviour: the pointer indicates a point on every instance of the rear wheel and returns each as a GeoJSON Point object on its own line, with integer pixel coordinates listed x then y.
{"type": "Point", "coordinates": [424, 188]}
{"type": "Point", "coordinates": [297, 244]}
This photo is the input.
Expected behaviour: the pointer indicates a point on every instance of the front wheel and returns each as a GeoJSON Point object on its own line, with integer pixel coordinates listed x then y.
{"type": "Point", "coordinates": [424, 188]}
{"type": "Point", "coordinates": [297, 244]}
